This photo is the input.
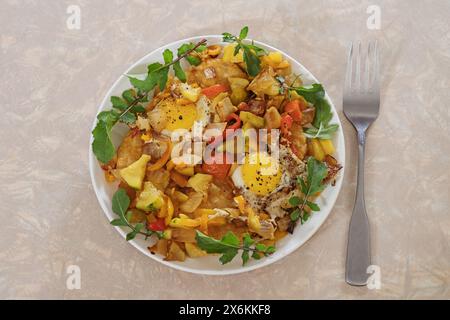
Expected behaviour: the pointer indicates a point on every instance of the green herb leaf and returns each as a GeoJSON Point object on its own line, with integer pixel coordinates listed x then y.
{"type": "Point", "coordinates": [129, 95]}
{"type": "Point", "coordinates": [252, 62]}
{"type": "Point", "coordinates": [295, 215]}
{"type": "Point", "coordinates": [168, 56]}
{"type": "Point", "coordinates": [243, 33]}
{"type": "Point", "coordinates": [131, 235]}
{"type": "Point", "coordinates": [119, 103]}
{"type": "Point", "coordinates": [179, 72]}
{"type": "Point", "coordinates": [294, 201]}
{"type": "Point", "coordinates": [251, 52]}
{"type": "Point", "coordinates": [118, 222]}
{"type": "Point", "coordinates": [323, 113]}
{"type": "Point", "coordinates": [102, 145]}
{"type": "Point", "coordinates": [229, 246]}
{"type": "Point", "coordinates": [137, 109]}
{"type": "Point", "coordinates": [313, 206]}
{"type": "Point", "coordinates": [120, 202]}
{"type": "Point", "coordinates": [311, 93]}
{"type": "Point", "coordinates": [128, 118]}
{"type": "Point", "coordinates": [321, 132]}
{"type": "Point", "coordinates": [317, 171]}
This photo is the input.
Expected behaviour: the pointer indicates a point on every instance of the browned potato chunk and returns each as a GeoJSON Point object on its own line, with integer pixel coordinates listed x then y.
{"type": "Point", "coordinates": [215, 71]}
{"type": "Point", "coordinates": [130, 150]}
{"type": "Point", "coordinates": [175, 252]}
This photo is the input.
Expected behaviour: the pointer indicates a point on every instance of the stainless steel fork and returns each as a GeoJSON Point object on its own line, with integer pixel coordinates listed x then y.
{"type": "Point", "coordinates": [361, 106]}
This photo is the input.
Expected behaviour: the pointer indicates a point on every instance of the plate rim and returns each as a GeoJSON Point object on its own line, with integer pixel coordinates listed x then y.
{"type": "Point", "coordinates": [219, 272]}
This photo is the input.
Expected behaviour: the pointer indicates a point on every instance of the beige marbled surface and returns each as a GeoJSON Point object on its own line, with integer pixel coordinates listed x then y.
{"type": "Point", "coordinates": [53, 80]}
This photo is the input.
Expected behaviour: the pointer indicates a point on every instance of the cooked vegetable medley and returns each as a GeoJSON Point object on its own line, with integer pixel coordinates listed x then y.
{"type": "Point", "coordinates": [232, 198]}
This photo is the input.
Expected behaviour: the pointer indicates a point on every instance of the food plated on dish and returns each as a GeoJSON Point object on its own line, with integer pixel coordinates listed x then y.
{"type": "Point", "coordinates": [225, 151]}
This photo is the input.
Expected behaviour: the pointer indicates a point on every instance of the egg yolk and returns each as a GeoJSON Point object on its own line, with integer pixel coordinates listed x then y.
{"type": "Point", "coordinates": [261, 173]}
{"type": "Point", "coordinates": [180, 116]}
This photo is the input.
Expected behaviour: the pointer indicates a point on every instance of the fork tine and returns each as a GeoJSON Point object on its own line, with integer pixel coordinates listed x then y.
{"type": "Point", "coordinates": [376, 69]}
{"type": "Point", "coordinates": [367, 72]}
{"type": "Point", "coordinates": [348, 76]}
{"type": "Point", "coordinates": [358, 68]}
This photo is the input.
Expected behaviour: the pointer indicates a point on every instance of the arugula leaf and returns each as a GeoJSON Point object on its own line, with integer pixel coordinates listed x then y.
{"type": "Point", "coordinates": [229, 246]}
{"type": "Point", "coordinates": [247, 242]}
{"type": "Point", "coordinates": [316, 173]}
{"type": "Point", "coordinates": [311, 93]}
{"type": "Point", "coordinates": [323, 113]}
{"type": "Point", "coordinates": [321, 132]}
{"type": "Point", "coordinates": [102, 145]}
{"type": "Point", "coordinates": [120, 202]}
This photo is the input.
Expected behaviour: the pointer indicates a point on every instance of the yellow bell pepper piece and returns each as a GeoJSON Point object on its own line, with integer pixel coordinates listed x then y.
{"type": "Point", "coordinates": [203, 212]}
{"type": "Point", "coordinates": [170, 211]}
{"type": "Point", "coordinates": [327, 146]}
{"type": "Point", "coordinates": [184, 223]}
{"type": "Point", "coordinates": [316, 149]}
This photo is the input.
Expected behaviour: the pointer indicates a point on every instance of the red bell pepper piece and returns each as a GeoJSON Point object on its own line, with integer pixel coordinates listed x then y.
{"type": "Point", "coordinates": [158, 225]}
{"type": "Point", "coordinates": [212, 91]}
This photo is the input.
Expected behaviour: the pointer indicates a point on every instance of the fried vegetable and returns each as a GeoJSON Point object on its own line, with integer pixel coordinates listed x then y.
{"type": "Point", "coordinates": [178, 178]}
{"type": "Point", "coordinates": [129, 150]}
{"type": "Point", "coordinates": [175, 253]}
{"type": "Point", "coordinates": [273, 118]}
{"type": "Point", "coordinates": [254, 120]}
{"type": "Point", "coordinates": [160, 178]}
{"type": "Point", "coordinates": [316, 149]}
{"type": "Point", "coordinates": [184, 223]}
{"type": "Point", "coordinates": [228, 54]}
{"type": "Point", "coordinates": [221, 71]}
{"type": "Point", "coordinates": [194, 251]}
{"type": "Point", "coordinates": [189, 92]}
{"type": "Point", "coordinates": [150, 198]}
{"type": "Point", "coordinates": [224, 108]}
{"type": "Point", "coordinates": [134, 174]}
{"type": "Point", "coordinates": [327, 146]}
{"type": "Point", "coordinates": [265, 83]}
{"type": "Point", "coordinates": [183, 235]}
{"type": "Point", "coordinates": [238, 91]}
{"type": "Point", "coordinates": [160, 247]}
{"type": "Point", "coordinates": [194, 201]}
{"type": "Point", "coordinates": [200, 182]}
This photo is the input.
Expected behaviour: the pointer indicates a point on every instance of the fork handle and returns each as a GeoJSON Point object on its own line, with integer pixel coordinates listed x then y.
{"type": "Point", "coordinates": [358, 248]}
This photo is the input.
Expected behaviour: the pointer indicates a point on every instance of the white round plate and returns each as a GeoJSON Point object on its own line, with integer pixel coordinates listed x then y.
{"type": "Point", "coordinates": [210, 265]}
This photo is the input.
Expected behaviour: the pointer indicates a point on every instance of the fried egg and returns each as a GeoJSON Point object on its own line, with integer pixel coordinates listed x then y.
{"type": "Point", "coordinates": [261, 177]}
{"type": "Point", "coordinates": [169, 115]}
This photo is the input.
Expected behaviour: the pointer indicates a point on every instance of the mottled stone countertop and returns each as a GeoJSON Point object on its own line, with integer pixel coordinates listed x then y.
{"type": "Point", "coordinates": [54, 78]}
